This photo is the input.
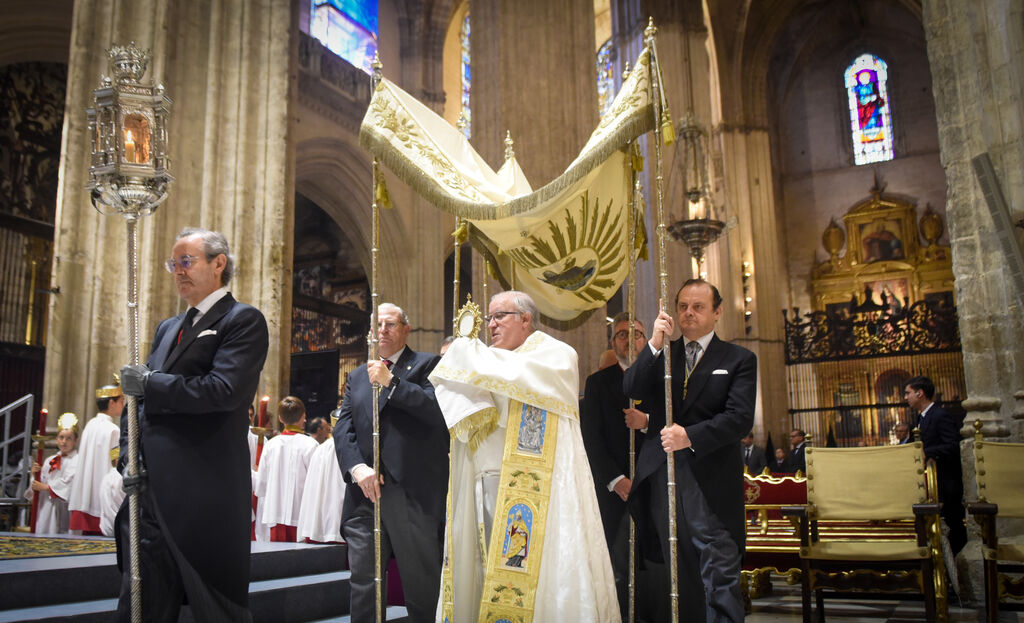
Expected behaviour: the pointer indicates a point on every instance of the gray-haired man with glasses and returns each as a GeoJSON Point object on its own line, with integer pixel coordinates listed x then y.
{"type": "Point", "coordinates": [194, 392]}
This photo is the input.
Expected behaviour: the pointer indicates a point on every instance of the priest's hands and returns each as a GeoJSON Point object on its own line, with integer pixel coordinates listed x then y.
{"type": "Point", "coordinates": [133, 379]}
{"type": "Point", "coordinates": [635, 419]}
{"type": "Point", "coordinates": [378, 373]}
{"type": "Point", "coordinates": [368, 481]}
{"type": "Point", "coordinates": [674, 438]}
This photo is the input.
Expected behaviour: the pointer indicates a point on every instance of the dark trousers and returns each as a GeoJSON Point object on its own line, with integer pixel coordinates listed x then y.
{"type": "Point", "coordinates": [650, 589]}
{"type": "Point", "coordinates": [163, 581]}
{"type": "Point", "coordinates": [708, 559]}
{"type": "Point", "coordinates": [951, 494]}
{"type": "Point", "coordinates": [415, 540]}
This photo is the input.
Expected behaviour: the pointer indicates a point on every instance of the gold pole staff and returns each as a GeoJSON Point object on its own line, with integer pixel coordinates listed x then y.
{"type": "Point", "coordinates": [666, 135]}
{"type": "Point", "coordinates": [374, 247]}
{"type": "Point", "coordinates": [636, 199]}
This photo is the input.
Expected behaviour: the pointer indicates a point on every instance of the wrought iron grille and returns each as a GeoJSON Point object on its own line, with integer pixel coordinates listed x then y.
{"type": "Point", "coordinates": [924, 327]}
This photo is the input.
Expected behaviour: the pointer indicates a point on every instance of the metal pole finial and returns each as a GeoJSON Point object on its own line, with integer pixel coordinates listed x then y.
{"type": "Point", "coordinates": [509, 152]}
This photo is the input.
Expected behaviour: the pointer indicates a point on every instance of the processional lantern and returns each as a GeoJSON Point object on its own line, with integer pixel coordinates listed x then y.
{"type": "Point", "coordinates": [128, 176]}
{"type": "Point", "coordinates": [128, 125]}
{"type": "Point", "coordinates": [698, 226]}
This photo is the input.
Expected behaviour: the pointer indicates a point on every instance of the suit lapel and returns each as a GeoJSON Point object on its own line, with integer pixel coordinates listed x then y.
{"type": "Point", "coordinates": [166, 345]}
{"type": "Point", "coordinates": [398, 369]}
{"type": "Point", "coordinates": [702, 371]}
{"type": "Point", "coordinates": [208, 319]}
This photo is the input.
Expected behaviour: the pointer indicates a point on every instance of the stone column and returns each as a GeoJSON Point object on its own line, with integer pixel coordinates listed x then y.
{"type": "Point", "coordinates": [975, 49]}
{"type": "Point", "coordinates": [746, 154]}
{"type": "Point", "coordinates": [535, 66]}
{"type": "Point", "coordinates": [229, 69]}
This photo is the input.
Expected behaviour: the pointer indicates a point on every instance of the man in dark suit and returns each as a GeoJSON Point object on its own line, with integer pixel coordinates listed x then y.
{"type": "Point", "coordinates": [902, 432]}
{"type": "Point", "coordinates": [606, 420]}
{"type": "Point", "coordinates": [796, 459]}
{"type": "Point", "coordinates": [713, 391]}
{"type": "Point", "coordinates": [412, 485]}
{"type": "Point", "coordinates": [753, 455]}
{"type": "Point", "coordinates": [780, 464]}
{"type": "Point", "coordinates": [940, 436]}
{"type": "Point", "coordinates": [194, 392]}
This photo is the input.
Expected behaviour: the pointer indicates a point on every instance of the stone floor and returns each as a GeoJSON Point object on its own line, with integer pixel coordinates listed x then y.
{"type": "Point", "coordinates": [783, 606]}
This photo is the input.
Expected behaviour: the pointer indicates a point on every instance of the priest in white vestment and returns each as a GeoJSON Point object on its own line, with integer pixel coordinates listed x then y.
{"type": "Point", "coordinates": [97, 453]}
{"type": "Point", "coordinates": [524, 539]}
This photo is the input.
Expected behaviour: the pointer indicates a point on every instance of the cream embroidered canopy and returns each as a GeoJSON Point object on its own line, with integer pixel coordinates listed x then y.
{"type": "Point", "coordinates": [567, 243]}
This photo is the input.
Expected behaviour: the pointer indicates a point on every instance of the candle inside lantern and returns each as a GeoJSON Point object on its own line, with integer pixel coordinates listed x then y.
{"type": "Point", "coordinates": [129, 146]}
{"type": "Point", "coordinates": [263, 411]}
{"type": "Point", "coordinates": [42, 421]}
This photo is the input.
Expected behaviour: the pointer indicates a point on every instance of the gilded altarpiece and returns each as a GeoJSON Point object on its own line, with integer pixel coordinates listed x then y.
{"type": "Point", "coordinates": [884, 311]}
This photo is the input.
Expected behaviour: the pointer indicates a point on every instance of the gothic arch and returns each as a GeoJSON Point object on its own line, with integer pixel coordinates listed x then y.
{"type": "Point", "coordinates": [36, 31]}
{"type": "Point", "coordinates": [338, 177]}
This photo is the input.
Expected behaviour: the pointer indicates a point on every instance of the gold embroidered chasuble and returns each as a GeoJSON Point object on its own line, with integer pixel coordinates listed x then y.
{"type": "Point", "coordinates": [524, 540]}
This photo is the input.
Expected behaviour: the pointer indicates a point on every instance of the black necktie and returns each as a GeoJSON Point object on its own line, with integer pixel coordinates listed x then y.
{"type": "Point", "coordinates": [186, 325]}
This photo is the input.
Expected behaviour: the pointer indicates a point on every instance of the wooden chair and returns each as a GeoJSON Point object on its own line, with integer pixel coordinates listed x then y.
{"type": "Point", "coordinates": [999, 468]}
{"type": "Point", "coordinates": [891, 488]}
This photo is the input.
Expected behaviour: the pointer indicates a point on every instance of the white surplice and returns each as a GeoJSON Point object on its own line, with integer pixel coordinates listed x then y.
{"type": "Point", "coordinates": [322, 498]}
{"type": "Point", "coordinates": [52, 512]}
{"type": "Point", "coordinates": [100, 436]}
{"type": "Point", "coordinates": [575, 581]}
{"type": "Point", "coordinates": [111, 496]}
{"type": "Point", "coordinates": [282, 476]}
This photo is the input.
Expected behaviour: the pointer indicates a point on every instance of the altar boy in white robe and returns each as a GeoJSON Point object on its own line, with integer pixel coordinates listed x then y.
{"type": "Point", "coordinates": [98, 451]}
{"type": "Point", "coordinates": [323, 497]}
{"type": "Point", "coordinates": [282, 472]}
{"type": "Point", "coordinates": [521, 488]}
{"type": "Point", "coordinates": [56, 475]}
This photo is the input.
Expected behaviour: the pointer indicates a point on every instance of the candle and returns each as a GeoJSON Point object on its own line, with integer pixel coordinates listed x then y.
{"type": "Point", "coordinates": [263, 411]}
{"type": "Point", "coordinates": [129, 147]}
{"type": "Point", "coordinates": [42, 421]}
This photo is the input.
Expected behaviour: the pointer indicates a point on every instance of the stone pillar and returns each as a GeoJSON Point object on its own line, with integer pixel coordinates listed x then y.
{"type": "Point", "coordinates": [534, 62]}
{"type": "Point", "coordinates": [975, 49]}
{"type": "Point", "coordinates": [229, 69]}
{"type": "Point", "coordinates": [746, 155]}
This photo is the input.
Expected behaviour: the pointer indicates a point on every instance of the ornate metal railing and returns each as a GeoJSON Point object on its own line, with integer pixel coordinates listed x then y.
{"type": "Point", "coordinates": [924, 327]}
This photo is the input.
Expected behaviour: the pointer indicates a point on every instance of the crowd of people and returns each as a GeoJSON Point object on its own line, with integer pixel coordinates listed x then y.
{"type": "Point", "coordinates": [493, 478]}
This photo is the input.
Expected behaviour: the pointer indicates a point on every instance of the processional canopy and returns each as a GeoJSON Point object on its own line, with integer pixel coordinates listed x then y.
{"type": "Point", "coordinates": [566, 244]}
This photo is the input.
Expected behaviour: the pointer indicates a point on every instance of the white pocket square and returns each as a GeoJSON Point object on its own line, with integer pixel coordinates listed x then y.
{"type": "Point", "coordinates": [720, 371]}
{"type": "Point", "coordinates": [214, 332]}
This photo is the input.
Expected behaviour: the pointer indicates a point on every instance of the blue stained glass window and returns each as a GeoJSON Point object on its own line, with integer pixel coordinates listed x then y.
{"type": "Point", "coordinates": [866, 82]}
{"type": "Point", "coordinates": [605, 78]}
{"type": "Point", "coordinates": [348, 28]}
{"type": "Point", "coordinates": [466, 76]}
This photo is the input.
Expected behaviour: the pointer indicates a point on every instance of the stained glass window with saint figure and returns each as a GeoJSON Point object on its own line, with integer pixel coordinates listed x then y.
{"type": "Point", "coordinates": [348, 28]}
{"type": "Point", "coordinates": [466, 82]}
{"type": "Point", "coordinates": [866, 82]}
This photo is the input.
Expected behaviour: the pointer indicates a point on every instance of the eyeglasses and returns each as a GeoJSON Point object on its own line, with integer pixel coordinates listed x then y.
{"type": "Point", "coordinates": [388, 326]}
{"type": "Point", "coordinates": [624, 335]}
{"type": "Point", "coordinates": [185, 262]}
{"type": "Point", "coordinates": [497, 316]}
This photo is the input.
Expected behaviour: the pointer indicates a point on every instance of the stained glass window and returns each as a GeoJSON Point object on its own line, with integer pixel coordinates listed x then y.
{"type": "Point", "coordinates": [605, 78]}
{"type": "Point", "coordinates": [466, 82]}
{"type": "Point", "coordinates": [348, 28]}
{"type": "Point", "coordinates": [870, 120]}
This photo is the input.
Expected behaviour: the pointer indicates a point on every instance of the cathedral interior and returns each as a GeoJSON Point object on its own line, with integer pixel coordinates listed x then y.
{"type": "Point", "coordinates": [865, 157]}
